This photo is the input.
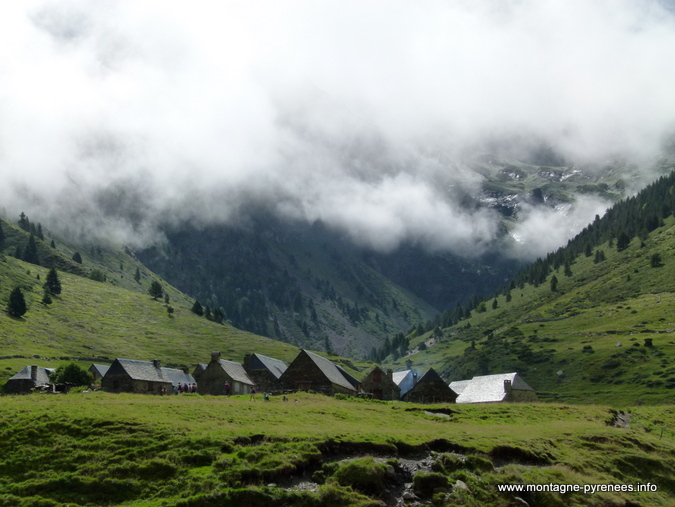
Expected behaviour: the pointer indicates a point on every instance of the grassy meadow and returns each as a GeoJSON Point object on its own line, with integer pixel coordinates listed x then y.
{"type": "Point", "coordinates": [96, 448]}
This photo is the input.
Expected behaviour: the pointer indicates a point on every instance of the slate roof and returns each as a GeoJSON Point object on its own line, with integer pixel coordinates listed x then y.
{"type": "Point", "coordinates": [404, 379]}
{"type": "Point", "coordinates": [236, 372]}
{"type": "Point", "coordinates": [490, 388]}
{"type": "Point", "coordinates": [276, 366]}
{"type": "Point", "coordinates": [42, 374]}
{"type": "Point", "coordinates": [459, 385]}
{"type": "Point", "coordinates": [333, 372]}
{"type": "Point", "coordinates": [147, 371]}
{"type": "Point", "coordinates": [101, 369]}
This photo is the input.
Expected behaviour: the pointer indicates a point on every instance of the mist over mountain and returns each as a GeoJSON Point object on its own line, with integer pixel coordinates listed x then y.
{"type": "Point", "coordinates": [379, 120]}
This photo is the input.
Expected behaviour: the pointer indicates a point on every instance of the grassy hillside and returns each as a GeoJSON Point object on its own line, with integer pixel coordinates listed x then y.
{"type": "Point", "coordinates": [584, 342]}
{"type": "Point", "coordinates": [191, 450]}
{"type": "Point", "coordinates": [97, 321]}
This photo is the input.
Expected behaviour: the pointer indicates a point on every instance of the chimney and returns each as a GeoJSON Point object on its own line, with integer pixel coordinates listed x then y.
{"type": "Point", "coordinates": [156, 363]}
{"type": "Point", "coordinates": [215, 356]}
{"type": "Point", "coordinates": [390, 374]}
{"type": "Point", "coordinates": [414, 378]}
{"type": "Point", "coordinates": [33, 372]}
{"type": "Point", "coordinates": [507, 386]}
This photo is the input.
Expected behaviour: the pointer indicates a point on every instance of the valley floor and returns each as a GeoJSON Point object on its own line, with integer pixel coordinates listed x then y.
{"type": "Point", "coordinates": [96, 448]}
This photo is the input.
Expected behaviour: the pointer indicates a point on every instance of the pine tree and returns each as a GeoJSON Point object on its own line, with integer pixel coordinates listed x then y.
{"type": "Point", "coordinates": [52, 244]}
{"type": "Point", "coordinates": [197, 308]}
{"type": "Point", "coordinates": [622, 242]}
{"type": "Point", "coordinates": [77, 257]}
{"type": "Point", "coordinates": [39, 232]}
{"type": "Point", "coordinates": [53, 283]}
{"type": "Point", "coordinates": [554, 283]}
{"type": "Point", "coordinates": [30, 253]}
{"type": "Point", "coordinates": [156, 290]}
{"type": "Point", "coordinates": [16, 306]}
{"type": "Point", "coordinates": [24, 223]}
{"type": "Point", "coordinates": [2, 236]}
{"type": "Point", "coordinates": [137, 275]}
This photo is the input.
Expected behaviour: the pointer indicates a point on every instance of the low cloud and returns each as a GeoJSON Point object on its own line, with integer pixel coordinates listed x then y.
{"type": "Point", "coordinates": [124, 116]}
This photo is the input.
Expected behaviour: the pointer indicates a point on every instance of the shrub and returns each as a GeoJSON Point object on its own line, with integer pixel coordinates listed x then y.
{"type": "Point", "coordinates": [424, 483]}
{"type": "Point", "coordinates": [364, 475]}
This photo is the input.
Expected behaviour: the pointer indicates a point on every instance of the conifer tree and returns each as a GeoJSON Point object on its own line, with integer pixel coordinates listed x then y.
{"type": "Point", "coordinates": [197, 308]}
{"type": "Point", "coordinates": [52, 244]}
{"type": "Point", "coordinates": [156, 290]}
{"type": "Point", "coordinates": [77, 257]}
{"type": "Point", "coordinates": [24, 223]}
{"type": "Point", "coordinates": [2, 236]}
{"type": "Point", "coordinates": [53, 284]}
{"type": "Point", "coordinates": [30, 253]}
{"type": "Point", "coordinates": [554, 283]}
{"type": "Point", "coordinates": [39, 232]}
{"type": "Point", "coordinates": [16, 306]}
{"type": "Point", "coordinates": [137, 275]}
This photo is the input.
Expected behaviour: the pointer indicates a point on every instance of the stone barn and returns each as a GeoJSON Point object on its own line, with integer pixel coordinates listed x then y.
{"type": "Point", "coordinates": [431, 388]}
{"type": "Point", "coordinates": [264, 371]}
{"type": "Point", "coordinates": [27, 379]}
{"type": "Point", "coordinates": [197, 372]}
{"type": "Point", "coordinates": [132, 376]}
{"type": "Point", "coordinates": [98, 371]}
{"type": "Point", "coordinates": [507, 387]}
{"type": "Point", "coordinates": [220, 372]}
{"type": "Point", "coordinates": [381, 385]}
{"type": "Point", "coordinates": [311, 372]}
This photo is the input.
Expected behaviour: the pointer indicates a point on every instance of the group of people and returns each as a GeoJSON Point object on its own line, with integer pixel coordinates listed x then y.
{"type": "Point", "coordinates": [181, 388]}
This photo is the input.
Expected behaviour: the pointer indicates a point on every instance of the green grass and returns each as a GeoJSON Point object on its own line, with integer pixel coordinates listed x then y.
{"type": "Point", "coordinates": [103, 449]}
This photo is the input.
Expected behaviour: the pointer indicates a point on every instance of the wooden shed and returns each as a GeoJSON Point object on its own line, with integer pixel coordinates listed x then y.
{"type": "Point", "coordinates": [431, 388]}
{"type": "Point", "coordinates": [219, 373]}
{"type": "Point", "coordinates": [311, 372]}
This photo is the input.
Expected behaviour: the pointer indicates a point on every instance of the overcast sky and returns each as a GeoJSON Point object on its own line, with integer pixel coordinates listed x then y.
{"type": "Point", "coordinates": [359, 113]}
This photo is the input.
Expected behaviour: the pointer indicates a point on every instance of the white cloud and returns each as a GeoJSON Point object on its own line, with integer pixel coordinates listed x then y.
{"type": "Point", "coordinates": [354, 113]}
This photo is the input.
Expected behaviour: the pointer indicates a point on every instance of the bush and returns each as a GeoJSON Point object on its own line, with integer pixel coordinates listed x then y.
{"type": "Point", "coordinates": [424, 483]}
{"type": "Point", "coordinates": [71, 373]}
{"type": "Point", "coordinates": [364, 475]}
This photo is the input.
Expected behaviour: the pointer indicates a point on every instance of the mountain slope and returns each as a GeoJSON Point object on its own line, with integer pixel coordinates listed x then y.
{"type": "Point", "coordinates": [606, 333]}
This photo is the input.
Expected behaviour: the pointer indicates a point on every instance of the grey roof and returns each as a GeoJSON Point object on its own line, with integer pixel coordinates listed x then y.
{"type": "Point", "coordinates": [459, 385]}
{"type": "Point", "coordinates": [147, 371]}
{"type": "Point", "coordinates": [101, 369]}
{"type": "Point", "coordinates": [399, 376]}
{"type": "Point", "coordinates": [236, 372]}
{"type": "Point", "coordinates": [332, 372]}
{"type": "Point", "coordinates": [276, 366]}
{"type": "Point", "coordinates": [25, 374]}
{"type": "Point", "coordinates": [490, 388]}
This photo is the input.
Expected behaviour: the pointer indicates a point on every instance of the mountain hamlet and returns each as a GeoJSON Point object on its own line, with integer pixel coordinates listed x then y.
{"type": "Point", "coordinates": [590, 324]}
{"type": "Point", "coordinates": [306, 288]}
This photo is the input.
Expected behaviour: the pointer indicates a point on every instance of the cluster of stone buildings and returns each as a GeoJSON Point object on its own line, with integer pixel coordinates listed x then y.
{"type": "Point", "coordinates": [307, 372]}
